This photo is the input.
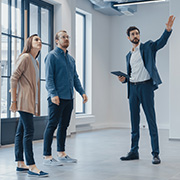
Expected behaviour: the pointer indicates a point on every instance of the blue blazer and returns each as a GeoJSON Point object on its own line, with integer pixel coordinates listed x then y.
{"type": "Point", "coordinates": [148, 53]}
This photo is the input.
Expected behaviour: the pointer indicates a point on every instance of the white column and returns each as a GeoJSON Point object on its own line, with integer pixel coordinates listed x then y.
{"type": "Point", "coordinates": [174, 73]}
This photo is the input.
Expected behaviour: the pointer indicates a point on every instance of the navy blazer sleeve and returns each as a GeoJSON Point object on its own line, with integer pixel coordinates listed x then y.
{"type": "Point", "coordinates": [161, 42]}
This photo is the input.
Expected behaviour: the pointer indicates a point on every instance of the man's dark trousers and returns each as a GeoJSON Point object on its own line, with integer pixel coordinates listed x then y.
{"type": "Point", "coordinates": [143, 93]}
{"type": "Point", "coordinates": [58, 116]}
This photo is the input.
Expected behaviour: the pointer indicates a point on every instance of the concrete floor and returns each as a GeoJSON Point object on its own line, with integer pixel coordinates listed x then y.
{"type": "Point", "coordinates": [98, 154]}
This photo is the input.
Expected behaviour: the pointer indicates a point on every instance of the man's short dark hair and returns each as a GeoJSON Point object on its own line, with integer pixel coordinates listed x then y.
{"type": "Point", "coordinates": [132, 28]}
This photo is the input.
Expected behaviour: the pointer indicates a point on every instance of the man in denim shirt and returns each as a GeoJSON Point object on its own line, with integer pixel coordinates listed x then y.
{"type": "Point", "coordinates": [61, 79]}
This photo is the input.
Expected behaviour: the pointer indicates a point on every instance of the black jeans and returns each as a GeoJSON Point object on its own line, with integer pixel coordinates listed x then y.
{"type": "Point", "coordinates": [58, 116]}
{"type": "Point", "coordinates": [24, 137]}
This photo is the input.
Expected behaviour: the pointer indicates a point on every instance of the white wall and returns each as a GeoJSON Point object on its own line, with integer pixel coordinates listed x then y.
{"type": "Point", "coordinates": [100, 64]}
{"type": "Point", "coordinates": [109, 48]}
{"type": "Point", "coordinates": [64, 18]}
{"type": "Point", "coordinates": [151, 21]}
{"type": "Point", "coordinates": [174, 97]}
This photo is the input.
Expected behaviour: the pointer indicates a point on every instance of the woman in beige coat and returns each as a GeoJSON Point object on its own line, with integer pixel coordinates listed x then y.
{"type": "Point", "coordinates": [25, 95]}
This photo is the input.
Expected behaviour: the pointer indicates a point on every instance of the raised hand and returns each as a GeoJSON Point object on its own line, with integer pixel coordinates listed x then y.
{"type": "Point", "coordinates": [170, 22]}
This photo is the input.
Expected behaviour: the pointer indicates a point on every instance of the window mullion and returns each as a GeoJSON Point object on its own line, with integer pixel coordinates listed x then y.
{"type": "Point", "coordinates": [39, 33]}
{"type": "Point", "coordinates": [9, 59]}
{"type": "Point", "coordinates": [50, 39]}
{"type": "Point", "coordinates": [22, 23]}
{"type": "Point", "coordinates": [84, 60]}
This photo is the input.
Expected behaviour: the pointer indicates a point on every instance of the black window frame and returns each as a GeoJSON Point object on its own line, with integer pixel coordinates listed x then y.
{"type": "Point", "coordinates": [41, 4]}
{"type": "Point", "coordinates": [9, 35]}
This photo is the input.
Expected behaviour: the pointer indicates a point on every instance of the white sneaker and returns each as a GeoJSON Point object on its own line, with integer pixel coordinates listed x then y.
{"type": "Point", "coordinates": [51, 162]}
{"type": "Point", "coordinates": [66, 159]}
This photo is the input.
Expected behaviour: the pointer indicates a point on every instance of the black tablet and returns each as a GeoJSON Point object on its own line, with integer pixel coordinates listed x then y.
{"type": "Point", "coordinates": [119, 73]}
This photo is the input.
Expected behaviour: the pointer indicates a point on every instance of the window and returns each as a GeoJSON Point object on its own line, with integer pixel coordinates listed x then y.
{"type": "Point", "coordinates": [11, 46]}
{"type": "Point", "coordinates": [39, 21]}
{"type": "Point", "coordinates": [84, 114]}
{"type": "Point", "coordinates": [80, 57]}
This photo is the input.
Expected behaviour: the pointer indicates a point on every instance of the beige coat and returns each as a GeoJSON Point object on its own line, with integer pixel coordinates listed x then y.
{"type": "Point", "coordinates": [24, 79]}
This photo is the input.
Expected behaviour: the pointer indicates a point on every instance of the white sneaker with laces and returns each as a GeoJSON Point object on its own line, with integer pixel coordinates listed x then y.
{"type": "Point", "coordinates": [66, 159]}
{"type": "Point", "coordinates": [51, 162]}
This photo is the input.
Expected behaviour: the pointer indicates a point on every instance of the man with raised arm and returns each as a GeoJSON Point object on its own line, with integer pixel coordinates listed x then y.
{"type": "Point", "coordinates": [143, 80]}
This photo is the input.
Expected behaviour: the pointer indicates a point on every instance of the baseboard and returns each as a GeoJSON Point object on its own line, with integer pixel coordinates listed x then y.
{"type": "Point", "coordinates": [123, 125]}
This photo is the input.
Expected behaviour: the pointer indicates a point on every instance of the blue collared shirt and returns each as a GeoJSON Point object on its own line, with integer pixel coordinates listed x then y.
{"type": "Point", "coordinates": [61, 75]}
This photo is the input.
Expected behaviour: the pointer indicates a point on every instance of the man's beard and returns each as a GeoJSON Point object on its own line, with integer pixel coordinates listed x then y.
{"type": "Point", "coordinates": [135, 42]}
{"type": "Point", "coordinates": [65, 45]}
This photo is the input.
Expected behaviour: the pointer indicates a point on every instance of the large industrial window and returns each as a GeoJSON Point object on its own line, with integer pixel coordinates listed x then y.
{"type": "Point", "coordinates": [20, 19]}
{"type": "Point", "coordinates": [41, 23]}
{"type": "Point", "coordinates": [80, 57]}
{"type": "Point", "coordinates": [13, 19]}
{"type": "Point", "coordinates": [11, 43]}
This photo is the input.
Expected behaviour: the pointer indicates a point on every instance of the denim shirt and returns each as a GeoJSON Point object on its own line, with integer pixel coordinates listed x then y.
{"type": "Point", "coordinates": [61, 75]}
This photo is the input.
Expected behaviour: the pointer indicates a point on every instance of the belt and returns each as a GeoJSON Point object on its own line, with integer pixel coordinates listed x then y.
{"type": "Point", "coordinates": [141, 82]}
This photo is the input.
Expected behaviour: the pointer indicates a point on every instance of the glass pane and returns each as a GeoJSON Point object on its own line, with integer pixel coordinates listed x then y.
{"type": "Point", "coordinates": [44, 95]}
{"type": "Point", "coordinates": [4, 16]}
{"type": "Point", "coordinates": [3, 97]}
{"type": "Point", "coordinates": [16, 114]}
{"type": "Point", "coordinates": [79, 103]}
{"type": "Point", "coordinates": [44, 52]}
{"type": "Point", "coordinates": [80, 45]}
{"type": "Point", "coordinates": [16, 17]}
{"type": "Point", "coordinates": [79, 57]}
{"type": "Point", "coordinates": [33, 19]}
{"type": "Point", "coordinates": [15, 52]}
{"type": "Point", "coordinates": [4, 55]}
{"type": "Point", "coordinates": [44, 25]}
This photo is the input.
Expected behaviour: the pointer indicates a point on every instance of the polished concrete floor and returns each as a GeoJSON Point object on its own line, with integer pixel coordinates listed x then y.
{"type": "Point", "coordinates": [98, 154]}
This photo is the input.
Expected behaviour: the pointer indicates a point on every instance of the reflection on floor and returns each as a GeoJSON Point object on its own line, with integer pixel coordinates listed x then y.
{"type": "Point", "coordinates": [98, 154]}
